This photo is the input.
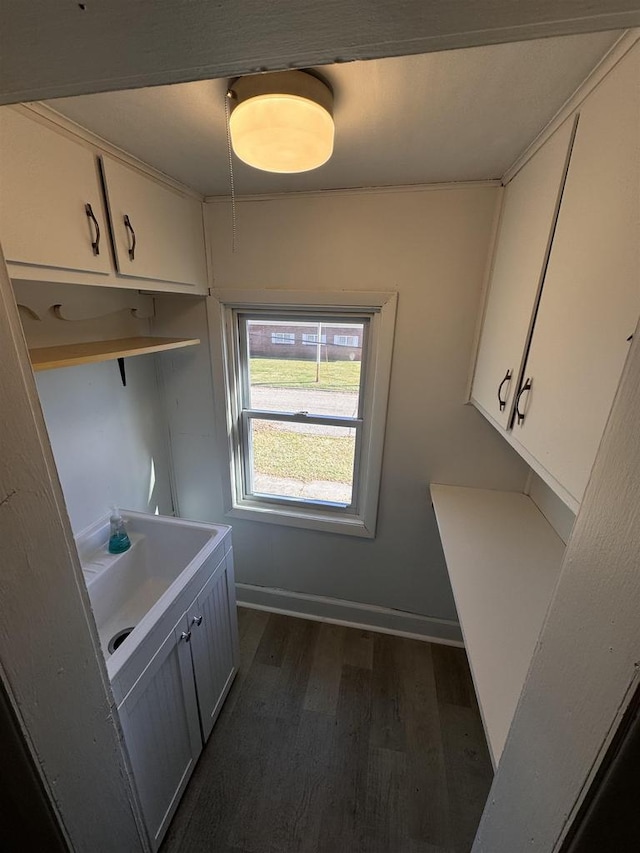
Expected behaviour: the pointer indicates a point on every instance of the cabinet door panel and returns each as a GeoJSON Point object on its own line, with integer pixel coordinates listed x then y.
{"type": "Point", "coordinates": [213, 623]}
{"type": "Point", "coordinates": [168, 227]}
{"type": "Point", "coordinates": [46, 181]}
{"type": "Point", "coordinates": [591, 297]}
{"type": "Point", "coordinates": [529, 211]}
{"type": "Point", "coordinates": [159, 719]}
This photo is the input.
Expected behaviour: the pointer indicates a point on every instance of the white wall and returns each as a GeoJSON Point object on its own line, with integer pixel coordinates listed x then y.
{"type": "Point", "coordinates": [109, 441]}
{"type": "Point", "coordinates": [431, 246]}
{"type": "Point", "coordinates": [557, 513]}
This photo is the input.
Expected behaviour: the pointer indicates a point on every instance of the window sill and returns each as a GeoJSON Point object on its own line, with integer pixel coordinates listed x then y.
{"type": "Point", "coordinates": [347, 525]}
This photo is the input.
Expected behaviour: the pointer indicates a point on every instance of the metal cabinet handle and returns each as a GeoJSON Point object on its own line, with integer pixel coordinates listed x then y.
{"type": "Point", "coordinates": [186, 636]}
{"type": "Point", "coordinates": [95, 244]}
{"type": "Point", "coordinates": [520, 415]}
{"type": "Point", "coordinates": [132, 247]}
{"type": "Point", "coordinates": [197, 620]}
{"type": "Point", "coordinates": [501, 402]}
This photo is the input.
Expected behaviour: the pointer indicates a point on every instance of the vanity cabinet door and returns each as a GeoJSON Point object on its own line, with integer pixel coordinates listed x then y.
{"type": "Point", "coordinates": [529, 212]}
{"type": "Point", "coordinates": [591, 297]}
{"type": "Point", "coordinates": [159, 718]}
{"type": "Point", "coordinates": [158, 232]}
{"type": "Point", "coordinates": [51, 207]}
{"type": "Point", "coordinates": [214, 641]}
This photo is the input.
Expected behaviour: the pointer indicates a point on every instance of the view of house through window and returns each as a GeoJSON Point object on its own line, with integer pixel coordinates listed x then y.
{"type": "Point", "coordinates": [301, 407]}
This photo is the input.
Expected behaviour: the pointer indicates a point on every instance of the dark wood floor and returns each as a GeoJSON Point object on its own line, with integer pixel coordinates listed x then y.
{"type": "Point", "coordinates": [335, 740]}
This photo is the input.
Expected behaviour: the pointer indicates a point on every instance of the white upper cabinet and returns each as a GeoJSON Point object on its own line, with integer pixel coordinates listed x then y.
{"type": "Point", "coordinates": [158, 232]}
{"type": "Point", "coordinates": [591, 297]}
{"type": "Point", "coordinates": [51, 206]}
{"type": "Point", "coordinates": [55, 224]}
{"type": "Point", "coordinates": [529, 211]}
{"type": "Point", "coordinates": [564, 297]}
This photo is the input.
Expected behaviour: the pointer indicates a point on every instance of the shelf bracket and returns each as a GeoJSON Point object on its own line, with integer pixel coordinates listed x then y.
{"type": "Point", "coordinates": [123, 374]}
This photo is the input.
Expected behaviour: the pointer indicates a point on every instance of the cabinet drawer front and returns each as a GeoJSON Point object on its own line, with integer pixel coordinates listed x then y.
{"type": "Point", "coordinates": [529, 212]}
{"type": "Point", "coordinates": [212, 619]}
{"type": "Point", "coordinates": [159, 719]}
{"type": "Point", "coordinates": [591, 297]}
{"type": "Point", "coordinates": [47, 181]}
{"type": "Point", "coordinates": [162, 237]}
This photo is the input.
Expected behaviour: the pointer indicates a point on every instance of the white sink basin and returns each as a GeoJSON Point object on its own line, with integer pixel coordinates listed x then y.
{"type": "Point", "coordinates": [132, 590]}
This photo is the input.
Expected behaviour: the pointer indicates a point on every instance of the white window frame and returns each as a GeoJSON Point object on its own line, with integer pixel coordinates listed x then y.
{"type": "Point", "coordinates": [284, 337]}
{"type": "Point", "coordinates": [311, 338]}
{"type": "Point", "coordinates": [346, 341]}
{"type": "Point", "coordinates": [380, 309]}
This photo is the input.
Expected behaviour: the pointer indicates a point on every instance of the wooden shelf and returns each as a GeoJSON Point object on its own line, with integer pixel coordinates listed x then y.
{"type": "Point", "coordinates": [504, 560]}
{"type": "Point", "coordinates": [48, 358]}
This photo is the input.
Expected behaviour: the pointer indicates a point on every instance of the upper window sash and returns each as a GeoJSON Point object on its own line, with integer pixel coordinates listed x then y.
{"type": "Point", "coordinates": [243, 357]}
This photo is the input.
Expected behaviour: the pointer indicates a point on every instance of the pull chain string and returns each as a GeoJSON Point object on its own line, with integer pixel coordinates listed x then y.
{"type": "Point", "coordinates": [227, 114]}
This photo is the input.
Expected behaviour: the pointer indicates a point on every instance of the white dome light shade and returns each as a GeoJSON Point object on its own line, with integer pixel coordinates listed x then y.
{"type": "Point", "coordinates": [282, 122]}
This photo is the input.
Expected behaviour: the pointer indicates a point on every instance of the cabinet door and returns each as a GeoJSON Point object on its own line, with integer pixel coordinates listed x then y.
{"type": "Point", "coordinates": [214, 642]}
{"type": "Point", "coordinates": [47, 181]}
{"type": "Point", "coordinates": [591, 297]}
{"type": "Point", "coordinates": [529, 212]}
{"type": "Point", "coordinates": [158, 233]}
{"type": "Point", "coordinates": [159, 719]}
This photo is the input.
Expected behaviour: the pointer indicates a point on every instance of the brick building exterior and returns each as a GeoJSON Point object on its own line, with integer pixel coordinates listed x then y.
{"type": "Point", "coordinates": [300, 341]}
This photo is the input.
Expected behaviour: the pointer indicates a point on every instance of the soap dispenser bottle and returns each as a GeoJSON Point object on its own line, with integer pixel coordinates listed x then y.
{"type": "Point", "coordinates": [118, 539]}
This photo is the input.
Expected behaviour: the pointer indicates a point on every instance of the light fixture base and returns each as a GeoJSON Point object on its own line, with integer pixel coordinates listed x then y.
{"type": "Point", "coordinates": [282, 121]}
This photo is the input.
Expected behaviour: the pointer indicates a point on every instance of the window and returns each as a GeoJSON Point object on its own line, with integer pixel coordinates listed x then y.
{"type": "Point", "coordinates": [283, 338]}
{"type": "Point", "coordinates": [346, 340]}
{"type": "Point", "coordinates": [304, 431]}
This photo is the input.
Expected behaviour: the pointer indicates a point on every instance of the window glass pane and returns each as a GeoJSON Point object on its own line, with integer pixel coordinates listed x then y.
{"type": "Point", "coordinates": [282, 338]}
{"type": "Point", "coordinates": [302, 366]}
{"type": "Point", "coordinates": [307, 462]}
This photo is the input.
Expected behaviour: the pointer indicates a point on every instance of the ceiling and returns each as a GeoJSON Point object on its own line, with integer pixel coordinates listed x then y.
{"type": "Point", "coordinates": [458, 115]}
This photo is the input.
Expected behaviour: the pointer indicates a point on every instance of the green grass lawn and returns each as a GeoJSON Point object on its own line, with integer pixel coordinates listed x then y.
{"type": "Point", "coordinates": [294, 373]}
{"type": "Point", "coordinates": [303, 457]}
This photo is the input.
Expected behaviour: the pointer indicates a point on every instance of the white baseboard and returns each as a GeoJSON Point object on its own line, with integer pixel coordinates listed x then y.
{"type": "Point", "coordinates": [352, 614]}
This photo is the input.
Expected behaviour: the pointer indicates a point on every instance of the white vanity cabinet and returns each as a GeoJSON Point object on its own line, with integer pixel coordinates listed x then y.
{"type": "Point", "coordinates": [214, 642]}
{"type": "Point", "coordinates": [565, 292]}
{"type": "Point", "coordinates": [72, 213]}
{"type": "Point", "coordinates": [51, 206]}
{"type": "Point", "coordinates": [168, 709]}
{"type": "Point", "coordinates": [159, 719]}
{"type": "Point", "coordinates": [158, 233]}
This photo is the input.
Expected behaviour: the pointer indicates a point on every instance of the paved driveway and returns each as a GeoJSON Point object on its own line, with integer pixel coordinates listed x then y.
{"type": "Point", "coordinates": [340, 403]}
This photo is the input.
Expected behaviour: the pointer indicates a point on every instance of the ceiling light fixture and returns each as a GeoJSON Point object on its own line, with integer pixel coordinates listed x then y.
{"type": "Point", "coordinates": [281, 121]}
